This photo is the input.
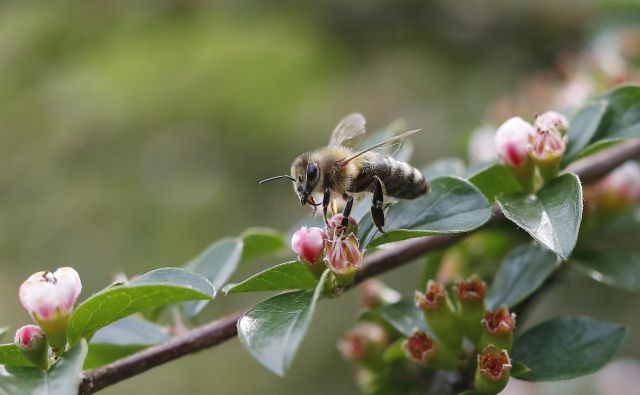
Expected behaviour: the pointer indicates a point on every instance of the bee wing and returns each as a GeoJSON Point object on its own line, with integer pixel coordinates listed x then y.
{"type": "Point", "coordinates": [349, 127]}
{"type": "Point", "coordinates": [384, 143]}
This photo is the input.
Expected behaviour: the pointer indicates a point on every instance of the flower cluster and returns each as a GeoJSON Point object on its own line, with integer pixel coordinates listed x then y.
{"type": "Point", "coordinates": [489, 331]}
{"type": "Point", "coordinates": [336, 248]}
{"type": "Point", "coordinates": [525, 147]}
{"type": "Point", "coordinates": [49, 298]}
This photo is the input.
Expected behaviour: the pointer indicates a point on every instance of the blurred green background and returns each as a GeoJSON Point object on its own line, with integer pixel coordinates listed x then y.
{"type": "Point", "coordinates": [132, 135]}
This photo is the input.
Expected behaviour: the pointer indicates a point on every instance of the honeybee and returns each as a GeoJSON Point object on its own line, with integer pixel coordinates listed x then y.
{"type": "Point", "coordinates": [336, 170]}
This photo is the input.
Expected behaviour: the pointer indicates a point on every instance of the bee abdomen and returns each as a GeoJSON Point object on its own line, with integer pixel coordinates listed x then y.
{"type": "Point", "coordinates": [400, 179]}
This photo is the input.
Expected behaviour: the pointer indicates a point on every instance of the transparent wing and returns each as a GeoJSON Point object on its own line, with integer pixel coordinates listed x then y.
{"type": "Point", "coordinates": [352, 125]}
{"type": "Point", "coordinates": [388, 142]}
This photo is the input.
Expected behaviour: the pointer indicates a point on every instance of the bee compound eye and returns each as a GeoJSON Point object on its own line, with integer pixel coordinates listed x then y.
{"type": "Point", "coordinates": [312, 171]}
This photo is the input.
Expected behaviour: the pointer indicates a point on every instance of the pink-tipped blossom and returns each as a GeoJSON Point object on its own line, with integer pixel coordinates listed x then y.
{"type": "Point", "coordinates": [336, 221]}
{"type": "Point", "coordinates": [309, 244]}
{"type": "Point", "coordinates": [548, 145]}
{"type": "Point", "coordinates": [364, 340]}
{"type": "Point", "coordinates": [32, 342]}
{"type": "Point", "coordinates": [49, 298]}
{"type": "Point", "coordinates": [344, 257]}
{"type": "Point", "coordinates": [512, 141]}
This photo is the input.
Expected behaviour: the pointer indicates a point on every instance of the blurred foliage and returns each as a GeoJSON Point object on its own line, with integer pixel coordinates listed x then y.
{"type": "Point", "coordinates": [132, 135]}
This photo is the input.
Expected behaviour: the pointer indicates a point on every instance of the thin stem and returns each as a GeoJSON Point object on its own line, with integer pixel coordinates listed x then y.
{"type": "Point", "coordinates": [589, 170]}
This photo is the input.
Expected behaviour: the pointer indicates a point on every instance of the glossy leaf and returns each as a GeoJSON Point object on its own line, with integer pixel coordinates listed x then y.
{"type": "Point", "coordinates": [494, 180]}
{"type": "Point", "coordinates": [62, 378]}
{"type": "Point", "coordinates": [567, 347]}
{"type": "Point", "coordinates": [11, 356]}
{"type": "Point", "coordinates": [217, 263]}
{"type": "Point", "coordinates": [522, 272]}
{"type": "Point", "coordinates": [620, 120]}
{"type": "Point", "coordinates": [616, 268]}
{"type": "Point", "coordinates": [403, 316]}
{"type": "Point", "coordinates": [285, 276]}
{"type": "Point", "coordinates": [445, 167]}
{"type": "Point", "coordinates": [273, 329]}
{"type": "Point", "coordinates": [153, 289]}
{"type": "Point", "coordinates": [583, 127]}
{"type": "Point", "coordinates": [260, 242]}
{"type": "Point", "coordinates": [552, 216]}
{"type": "Point", "coordinates": [453, 205]}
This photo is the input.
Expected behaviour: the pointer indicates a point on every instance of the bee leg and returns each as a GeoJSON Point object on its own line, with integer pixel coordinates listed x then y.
{"type": "Point", "coordinates": [377, 204]}
{"type": "Point", "coordinates": [345, 216]}
{"type": "Point", "coordinates": [326, 199]}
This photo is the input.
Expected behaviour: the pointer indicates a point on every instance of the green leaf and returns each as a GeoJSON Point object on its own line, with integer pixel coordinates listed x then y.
{"type": "Point", "coordinates": [273, 329]}
{"type": "Point", "coordinates": [403, 316]}
{"type": "Point", "coordinates": [616, 268]}
{"type": "Point", "coordinates": [453, 205]}
{"type": "Point", "coordinates": [394, 352]}
{"type": "Point", "coordinates": [620, 120]}
{"type": "Point", "coordinates": [494, 180]}
{"type": "Point", "coordinates": [567, 347]}
{"type": "Point", "coordinates": [11, 356]}
{"type": "Point", "coordinates": [260, 242]}
{"type": "Point", "coordinates": [522, 272]}
{"type": "Point", "coordinates": [583, 127]}
{"type": "Point", "coordinates": [518, 368]}
{"type": "Point", "coordinates": [217, 263]}
{"type": "Point", "coordinates": [285, 276]}
{"type": "Point", "coordinates": [153, 289]}
{"type": "Point", "coordinates": [62, 378]}
{"type": "Point", "coordinates": [552, 216]}
{"type": "Point", "coordinates": [121, 338]}
{"type": "Point", "coordinates": [445, 167]}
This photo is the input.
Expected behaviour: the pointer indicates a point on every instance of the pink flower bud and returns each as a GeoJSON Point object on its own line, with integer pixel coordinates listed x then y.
{"type": "Point", "coordinates": [309, 244]}
{"type": "Point", "coordinates": [344, 258]}
{"type": "Point", "coordinates": [512, 141]}
{"type": "Point", "coordinates": [49, 298]}
{"type": "Point", "coordinates": [621, 187]}
{"type": "Point", "coordinates": [548, 145]}
{"type": "Point", "coordinates": [552, 120]}
{"type": "Point", "coordinates": [28, 336]}
{"type": "Point", "coordinates": [336, 221]}
{"type": "Point", "coordinates": [32, 342]}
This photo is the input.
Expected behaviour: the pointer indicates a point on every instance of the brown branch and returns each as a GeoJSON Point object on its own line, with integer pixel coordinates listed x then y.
{"type": "Point", "coordinates": [589, 170]}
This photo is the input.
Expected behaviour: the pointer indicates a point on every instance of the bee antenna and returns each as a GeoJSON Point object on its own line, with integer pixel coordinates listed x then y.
{"type": "Point", "coordinates": [277, 178]}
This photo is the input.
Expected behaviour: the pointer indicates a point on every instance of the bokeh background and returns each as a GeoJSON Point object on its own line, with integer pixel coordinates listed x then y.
{"type": "Point", "coordinates": [133, 134]}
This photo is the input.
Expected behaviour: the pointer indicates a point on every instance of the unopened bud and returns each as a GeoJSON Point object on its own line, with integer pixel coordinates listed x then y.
{"type": "Point", "coordinates": [493, 371]}
{"type": "Point", "coordinates": [374, 293]}
{"type": "Point", "coordinates": [621, 188]}
{"type": "Point", "coordinates": [49, 298]}
{"type": "Point", "coordinates": [344, 258]}
{"type": "Point", "coordinates": [336, 221]}
{"type": "Point", "coordinates": [439, 314]}
{"type": "Point", "coordinates": [470, 295]}
{"type": "Point", "coordinates": [32, 342]}
{"type": "Point", "coordinates": [547, 150]}
{"type": "Point", "coordinates": [309, 244]}
{"type": "Point", "coordinates": [425, 350]}
{"type": "Point", "coordinates": [498, 326]}
{"type": "Point", "coordinates": [512, 143]}
{"type": "Point", "coordinates": [364, 344]}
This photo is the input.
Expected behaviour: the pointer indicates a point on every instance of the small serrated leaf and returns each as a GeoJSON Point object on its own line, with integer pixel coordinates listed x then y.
{"type": "Point", "coordinates": [567, 347]}
{"type": "Point", "coordinates": [273, 330]}
{"type": "Point", "coordinates": [285, 276]}
{"type": "Point", "coordinates": [153, 289]}
{"type": "Point", "coordinates": [552, 216]}
{"type": "Point", "coordinates": [522, 271]}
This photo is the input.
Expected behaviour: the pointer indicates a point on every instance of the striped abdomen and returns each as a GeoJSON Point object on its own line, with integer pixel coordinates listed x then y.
{"type": "Point", "coordinates": [400, 179]}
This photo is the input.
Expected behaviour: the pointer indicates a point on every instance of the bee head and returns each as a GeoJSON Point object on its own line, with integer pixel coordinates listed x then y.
{"type": "Point", "coordinates": [306, 176]}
